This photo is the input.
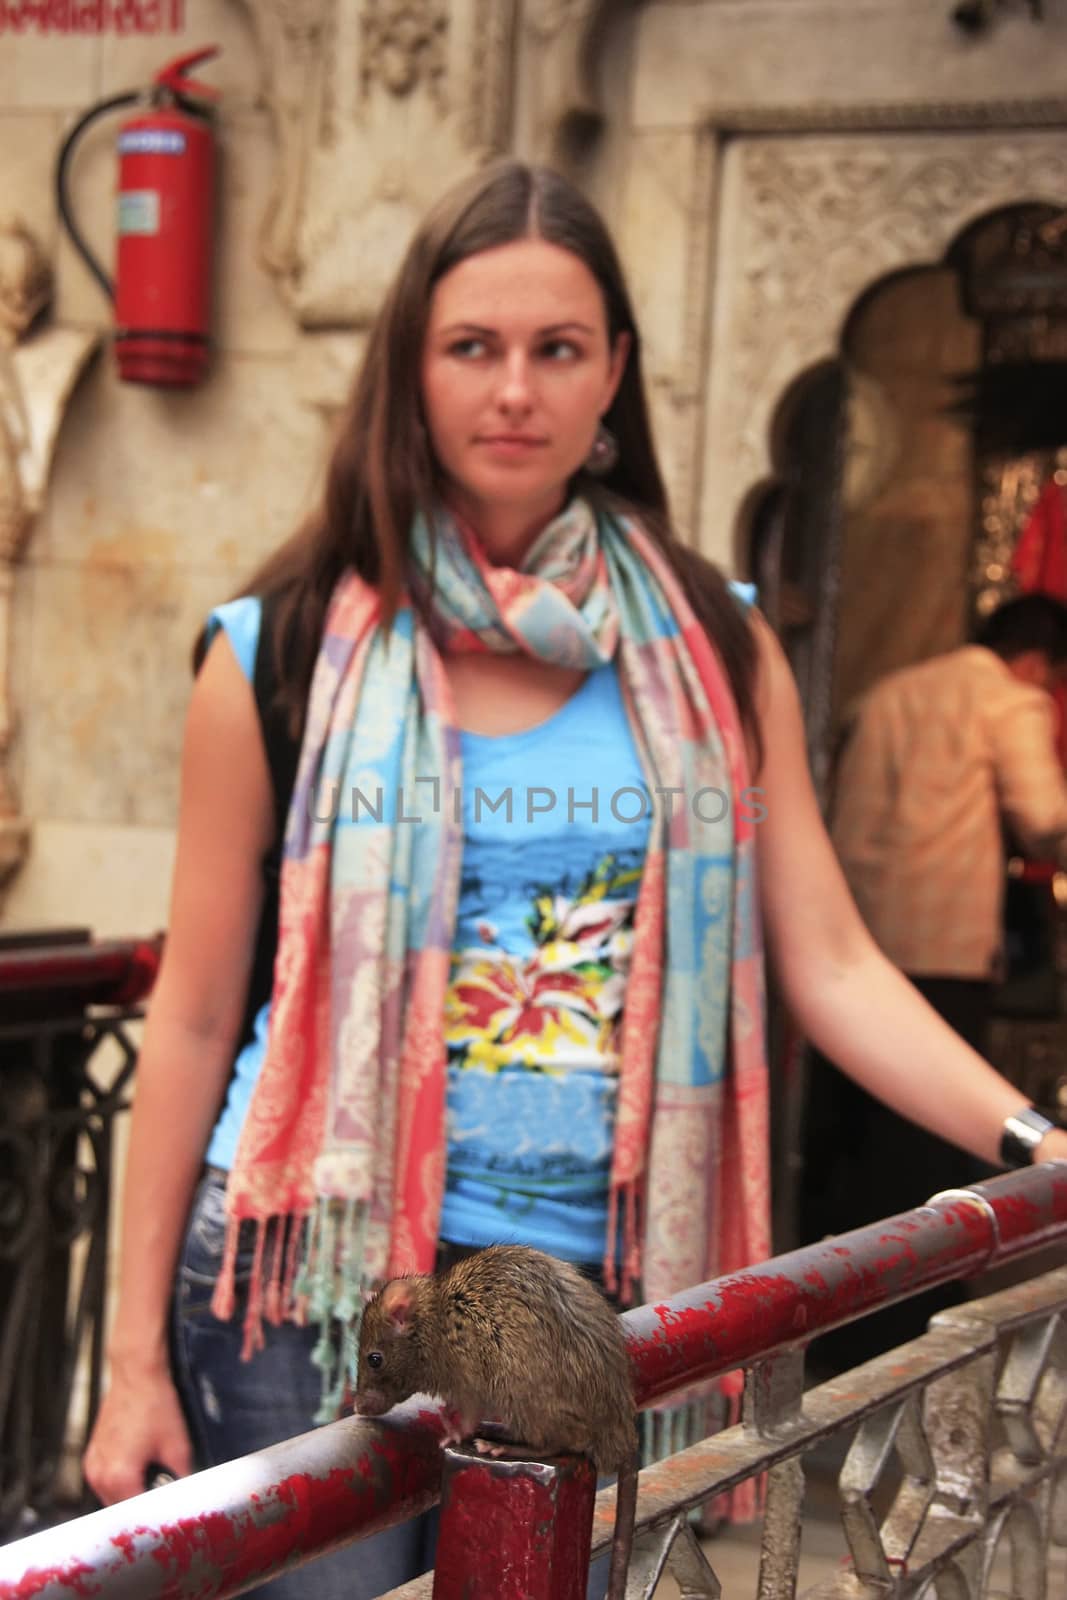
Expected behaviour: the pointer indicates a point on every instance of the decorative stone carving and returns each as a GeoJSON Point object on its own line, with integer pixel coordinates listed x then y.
{"type": "Point", "coordinates": [681, 384]}
{"type": "Point", "coordinates": [403, 40]}
{"type": "Point", "coordinates": [561, 70]}
{"type": "Point", "coordinates": [38, 371]}
{"type": "Point", "coordinates": [810, 224]}
{"type": "Point", "coordinates": [548, 18]}
{"type": "Point", "coordinates": [25, 280]}
{"type": "Point", "coordinates": [379, 107]}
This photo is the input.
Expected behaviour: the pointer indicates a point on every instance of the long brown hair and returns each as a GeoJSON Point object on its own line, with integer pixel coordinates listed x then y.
{"type": "Point", "coordinates": [382, 468]}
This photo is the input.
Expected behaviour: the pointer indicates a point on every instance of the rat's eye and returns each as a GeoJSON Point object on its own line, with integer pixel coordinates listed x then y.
{"type": "Point", "coordinates": [375, 1359]}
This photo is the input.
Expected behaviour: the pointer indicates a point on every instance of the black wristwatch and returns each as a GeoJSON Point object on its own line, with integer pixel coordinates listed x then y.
{"type": "Point", "coordinates": [1023, 1132]}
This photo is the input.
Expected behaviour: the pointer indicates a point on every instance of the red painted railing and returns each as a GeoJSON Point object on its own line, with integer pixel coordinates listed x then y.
{"type": "Point", "coordinates": [56, 972]}
{"type": "Point", "coordinates": [221, 1531]}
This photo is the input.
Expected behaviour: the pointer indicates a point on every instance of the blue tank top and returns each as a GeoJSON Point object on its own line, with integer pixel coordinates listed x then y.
{"type": "Point", "coordinates": [556, 826]}
{"type": "Point", "coordinates": [555, 832]}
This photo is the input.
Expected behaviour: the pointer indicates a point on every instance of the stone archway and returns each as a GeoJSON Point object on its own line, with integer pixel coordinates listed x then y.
{"type": "Point", "coordinates": [807, 223]}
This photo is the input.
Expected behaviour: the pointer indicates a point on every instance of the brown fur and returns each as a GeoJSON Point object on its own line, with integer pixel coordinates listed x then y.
{"type": "Point", "coordinates": [515, 1336]}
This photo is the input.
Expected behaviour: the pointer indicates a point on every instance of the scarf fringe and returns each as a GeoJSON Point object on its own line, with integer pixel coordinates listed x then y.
{"type": "Point", "coordinates": [253, 1323]}
{"type": "Point", "coordinates": [631, 1243]}
{"type": "Point", "coordinates": [314, 1274]}
{"type": "Point", "coordinates": [272, 1307]}
{"type": "Point", "coordinates": [223, 1300]}
{"type": "Point", "coordinates": [333, 1271]}
{"type": "Point", "coordinates": [611, 1277]}
{"type": "Point", "coordinates": [297, 1230]}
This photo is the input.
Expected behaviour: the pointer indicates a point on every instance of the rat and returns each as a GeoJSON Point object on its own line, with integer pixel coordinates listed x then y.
{"type": "Point", "coordinates": [513, 1335]}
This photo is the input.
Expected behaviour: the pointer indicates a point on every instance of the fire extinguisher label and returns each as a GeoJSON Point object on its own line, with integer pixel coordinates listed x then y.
{"type": "Point", "coordinates": [139, 211]}
{"type": "Point", "coordinates": [151, 142]}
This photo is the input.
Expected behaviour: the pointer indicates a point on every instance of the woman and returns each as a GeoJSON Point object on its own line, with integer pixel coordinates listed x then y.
{"type": "Point", "coordinates": [490, 626]}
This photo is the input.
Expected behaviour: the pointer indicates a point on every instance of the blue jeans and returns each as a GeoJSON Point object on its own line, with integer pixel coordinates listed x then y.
{"type": "Point", "coordinates": [234, 1407]}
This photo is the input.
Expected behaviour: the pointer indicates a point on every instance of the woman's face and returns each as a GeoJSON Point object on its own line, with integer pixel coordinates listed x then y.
{"type": "Point", "coordinates": [517, 370]}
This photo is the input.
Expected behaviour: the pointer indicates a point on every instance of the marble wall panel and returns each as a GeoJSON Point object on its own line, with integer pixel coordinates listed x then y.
{"type": "Point", "coordinates": [114, 880]}
{"type": "Point", "coordinates": [663, 228]}
{"type": "Point", "coordinates": [251, 317]}
{"type": "Point", "coordinates": [20, 684]}
{"type": "Point", "coordinates": [806, 226]}
{"type": "Point", "coordinates": [48, 71]}
{"type": "Point", "coordinates": [653, 231]}
{"type": "Point", "coordinates": [783, 54]}
{"type": "Point", "coordinates": [212, 477]}
{"type": "Point", "coordinates": [110, 665]}
{"type": "Point", "coordinates": [28, 142]}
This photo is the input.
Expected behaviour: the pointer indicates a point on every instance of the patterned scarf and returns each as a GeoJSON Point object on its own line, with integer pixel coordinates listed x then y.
{"type": "Point", "coordinates": [343, 1149]}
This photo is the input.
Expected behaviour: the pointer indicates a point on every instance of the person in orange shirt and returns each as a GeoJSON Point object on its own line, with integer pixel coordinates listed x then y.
{"type": "Point", "coordinates": [940, 759]}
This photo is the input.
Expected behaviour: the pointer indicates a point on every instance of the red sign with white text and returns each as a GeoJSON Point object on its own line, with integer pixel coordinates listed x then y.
{"type": "Point", "coordinates": [92, 16]}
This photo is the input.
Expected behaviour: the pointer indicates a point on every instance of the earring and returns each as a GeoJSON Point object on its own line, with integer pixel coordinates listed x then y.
{"type": "Point", "coordinates": [604, 452]}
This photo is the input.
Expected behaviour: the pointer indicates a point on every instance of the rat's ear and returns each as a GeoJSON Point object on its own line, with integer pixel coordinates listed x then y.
{"type": "Point", "coordinates": [398, 1304]}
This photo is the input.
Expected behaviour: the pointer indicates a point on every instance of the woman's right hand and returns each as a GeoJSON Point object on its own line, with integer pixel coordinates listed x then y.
{"type": "Point", "coordinates": [139, 1421]}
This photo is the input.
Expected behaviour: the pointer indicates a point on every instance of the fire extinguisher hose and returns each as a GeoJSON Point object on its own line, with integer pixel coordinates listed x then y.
{"type": "Point", "coordinates": [63, 164]}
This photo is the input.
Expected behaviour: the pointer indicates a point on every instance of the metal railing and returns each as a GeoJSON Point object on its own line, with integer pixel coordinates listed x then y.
{"type": "Point", "coordinates": [64, 997]}
{"type": "Point", "coordinates": [966, 1427]}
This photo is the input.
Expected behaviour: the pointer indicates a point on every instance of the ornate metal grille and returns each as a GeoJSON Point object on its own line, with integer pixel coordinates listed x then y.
{"type": "Point", "coordinates": [63, 999]}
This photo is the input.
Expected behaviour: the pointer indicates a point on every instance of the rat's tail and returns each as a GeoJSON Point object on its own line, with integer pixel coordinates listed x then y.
{"type": "Point", "coordinates": [623, 1536]}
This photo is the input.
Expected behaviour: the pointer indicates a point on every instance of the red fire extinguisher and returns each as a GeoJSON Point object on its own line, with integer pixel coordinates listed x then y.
{"type": "Point", "coordinates": [166, 188]}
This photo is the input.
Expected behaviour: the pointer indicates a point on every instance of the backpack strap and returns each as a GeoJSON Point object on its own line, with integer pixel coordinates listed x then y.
{"type": "Point", "coordinates": [283, 753]}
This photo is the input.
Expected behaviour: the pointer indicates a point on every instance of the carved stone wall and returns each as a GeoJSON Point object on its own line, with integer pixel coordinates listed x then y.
{"type": "Point", "coordinates": [761, 162]}
{"type": "Point", "coordinates": [377, 108]}
{"type": "Point", "coordinates": [841, 130]}
{"type": "Point", "coordinates": [157, 503]}
{"type": "Point", "coordinates": [807, 225]}
{"type": "Point", "coordinates": [380, 106]}
{"type": "Point", "coordinates": [338, 124]}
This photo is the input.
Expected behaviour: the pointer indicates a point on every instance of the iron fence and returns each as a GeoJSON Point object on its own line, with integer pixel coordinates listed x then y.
{"type": "Point", "coordinates": [958, 1445]}
{"type": "Point", "coordinates": [63, 999]}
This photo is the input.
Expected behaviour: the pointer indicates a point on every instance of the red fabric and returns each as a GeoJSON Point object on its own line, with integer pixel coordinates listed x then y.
{"type": "Point", "coordinates": [1039, 566]}
{"type": "Point", "coordinates": [1040, 559]}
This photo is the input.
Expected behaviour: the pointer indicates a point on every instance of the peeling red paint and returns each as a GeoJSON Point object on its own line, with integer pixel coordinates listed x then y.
{"type": "Point", "coordinates": [513, 1530]}
{"type": "Point", "coordinates": [527, 1524]}
{"type": "Point", "coordinates": [748, 1315]}
{"type": "Point", "coordinates": [125, 1543]}
{"type": "Point", "coordinates": [76, 1576]}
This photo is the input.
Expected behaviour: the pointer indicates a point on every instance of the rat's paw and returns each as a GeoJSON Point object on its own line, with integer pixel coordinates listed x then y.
{"type": "Point", "coordinates": [457, 1427]}
{"type": "Point", "coordinates": [504, 1450]}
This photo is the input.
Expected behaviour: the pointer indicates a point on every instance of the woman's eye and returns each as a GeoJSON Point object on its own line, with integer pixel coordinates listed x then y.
{"type": "Point", "coordinates": [467, 347]}
{"type": "Point", "coordinates": [561, 349]}
{"type": "Point", "coordinates": [375, 1359]}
